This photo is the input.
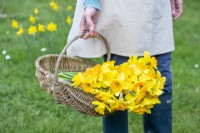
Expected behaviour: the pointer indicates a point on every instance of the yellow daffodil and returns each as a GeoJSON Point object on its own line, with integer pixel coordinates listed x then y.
{"type": "Point", "coordinates": [108, 77]}
{"type": "Point", "coordinates": [135, 69]}
{"type": "Point", "coordinates": [121, 76]}
{"type": "Point", "coordinates": [32, 19]}
{"type": "Point", "coordinates": [161, 79]}
{"type": "Point", "coordinates": [141, 110]}
{"type": "Point", "coordinates": [87, 83]}
{"type": "Point", "coordinates": [150, 84]}
{"type": "Point", "coordinates": [69, 8]}
{"type": "Point", "coordinates": [51, 3]}
{"type": "Point", "coordinates": [105, 97]}
{"type": "Point", "coordinates": [54, 5]}
{"type": "Point", "coordinates": [131, 106]}
{"type": "Point", "coordinates": [120, 106]}
{"type": "Point", "coordinates": [87, 86]}
{"type": "Point", "coordinates": [69, 20]}
{"type": "Point", "coordinates": [100, 107]}
{"type": "Point", "coordinates": [144, 77]}
{"type": "Point", "coordinates": [41, 28]}
{"type": "Point", "coordinates": [141, 92]}
{"type": "Point", "coordinates": [77, 79]}
{"type": "Point", "coordinates": [32, 30]}
{"type": "Point", "coordinates": [108, 65]}
{"type": "Point", "coordinates": [117, 86]}
{"type": "Point", "coordinates": [15, 24]}
{"type": "Point", "coordinates": [132, 59]}
{"type": "Point", "coordinates": [95, 72]}
{"type": "Point", "coordinates": [20, 32]}
{"type": "Point", "coordinates": [149, 60]}
{"type": "Point", "coordinates": [157, 89]}
{"type": "Point", "coordinates": [149, 100]}
{"type": "Point", "coordinates": [92, 73]}
{"type": "Point", "coordinates": [129, 97]}
{"type": "Point", "coordinates": [134, 85]}
{"type": "Point", "coordinates": [36, 11]}
{"type": "Point", "coordinates": [52, 27]}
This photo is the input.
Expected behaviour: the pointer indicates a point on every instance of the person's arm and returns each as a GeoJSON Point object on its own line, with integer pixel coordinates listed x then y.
{"type": "Point", "coordinates": [89, 19]}
{"type": "Point", "coordinates": [177, 8]}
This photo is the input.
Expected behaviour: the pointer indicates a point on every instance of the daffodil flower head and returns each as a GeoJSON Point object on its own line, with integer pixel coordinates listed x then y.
{"type": "Point", "coordinates": [68, 20]}
{"type": "Point", "coordinates": [54, 5]}
{"type": "Point", "coordinates": [77, 79]}
{"type": "Point", "coordinates": [100, 107]}
{"type": "Point", "coordinates": [148, 60]}
{"type": "Point", "coordinates": [87, 86]}
{"type": "Point", "coordinates": [36, 11]}
{"type": "Point", "coordinates": [15, 24]}
{"type": "Point", "coordinates": [41, 28]}
{"type": "Point", "coordinates": [52, 27]}
{"type": "Point", "coordinates": [32, 19]}
{"type": "Point", "coordinates": [20, 31]}
{"type": "Point", "coordinates": [69, 7]}
{"type": "Point", "coordinates": [132, 59]}
{"type": "Point", "coordinates": [32, 30]}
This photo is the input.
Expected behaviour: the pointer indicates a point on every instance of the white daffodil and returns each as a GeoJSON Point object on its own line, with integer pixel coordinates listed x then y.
{"type": "Point", "coordinates": [4, 52]}
{"type": "Point", "coordinates": [43, 49]}
{"type": "Point", "coordinates": [196, 65]}
{"type": "Point", "coordinates": [7, 57]}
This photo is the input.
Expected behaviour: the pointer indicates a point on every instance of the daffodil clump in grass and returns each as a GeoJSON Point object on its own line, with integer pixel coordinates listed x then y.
{"type": "Point", "coordinates": [36, 26]}
{"type": "Point", "coordinates": [134, 85]}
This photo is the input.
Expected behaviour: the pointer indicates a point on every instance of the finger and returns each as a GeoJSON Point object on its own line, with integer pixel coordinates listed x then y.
{"type": "Point", "coordinates": [90, 23]}
{"type": "Point", "coordinates": [179, 10]}
{"type": "Point", "coordinates": [86, 36]}
{"type": "Point", "coordinates": [83, 26]}
{"type": "Point", "coordinates": [89, 35]}
{"type": "Point", "coordinates": [93, 33]}
{"type": "Point", "coordinates": [177, 16]}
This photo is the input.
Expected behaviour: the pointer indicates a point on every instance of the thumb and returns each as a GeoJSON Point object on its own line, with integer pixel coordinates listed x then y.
{"type": "Point", "coordinates": [83, 26]}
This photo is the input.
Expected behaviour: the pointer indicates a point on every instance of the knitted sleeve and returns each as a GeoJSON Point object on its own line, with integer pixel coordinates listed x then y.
{"type": "Point", "coordinates": [92, 3]}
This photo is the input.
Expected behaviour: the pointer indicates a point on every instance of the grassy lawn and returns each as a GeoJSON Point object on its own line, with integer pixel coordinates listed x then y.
{"type": "Point", "coordinates": [26, 108]}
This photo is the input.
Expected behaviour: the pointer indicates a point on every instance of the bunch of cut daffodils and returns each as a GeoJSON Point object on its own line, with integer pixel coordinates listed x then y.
{"type": "Point", "coordinates": [134, 85]}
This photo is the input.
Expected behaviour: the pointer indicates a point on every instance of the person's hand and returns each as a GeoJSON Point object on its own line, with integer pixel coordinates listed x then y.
{"type": "Point", "coordinates": [88, 23]}
{"type": "Point", "coordinates": [177, 8]}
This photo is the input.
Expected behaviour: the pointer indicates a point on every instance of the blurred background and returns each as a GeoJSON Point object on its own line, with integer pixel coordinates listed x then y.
{"type": "Point", "coordinates": [32, 28]}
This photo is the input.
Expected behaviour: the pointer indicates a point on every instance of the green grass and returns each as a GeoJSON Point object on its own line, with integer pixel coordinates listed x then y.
{"type": "Point", "coordinates": [26, 108]}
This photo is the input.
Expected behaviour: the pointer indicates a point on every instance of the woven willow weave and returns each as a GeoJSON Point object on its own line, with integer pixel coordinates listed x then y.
{"type": "Point", "coordinates": [47, 68]}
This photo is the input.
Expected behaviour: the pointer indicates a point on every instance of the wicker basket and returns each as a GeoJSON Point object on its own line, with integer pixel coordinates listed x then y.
{"type": "Point", "coordinates": [47, 68]}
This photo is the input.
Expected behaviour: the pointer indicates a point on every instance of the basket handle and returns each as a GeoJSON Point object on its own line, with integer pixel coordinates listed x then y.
{"type": "Point", "coordinates": [73, 40]}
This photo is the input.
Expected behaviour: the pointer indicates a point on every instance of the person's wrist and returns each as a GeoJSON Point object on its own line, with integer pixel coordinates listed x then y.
{"type": "Point", "coordinates": [90, 10]}
{"type": "Point", "coordinates": [92, 7]}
